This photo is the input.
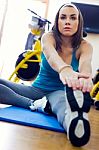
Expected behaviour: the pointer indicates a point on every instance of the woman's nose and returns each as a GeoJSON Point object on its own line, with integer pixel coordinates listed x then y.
{"type": "Point", "coordinates": [67, 21]}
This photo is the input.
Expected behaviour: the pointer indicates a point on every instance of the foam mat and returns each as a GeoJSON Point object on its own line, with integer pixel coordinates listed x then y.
{"type": "Point", "coordinates": [26, 117]}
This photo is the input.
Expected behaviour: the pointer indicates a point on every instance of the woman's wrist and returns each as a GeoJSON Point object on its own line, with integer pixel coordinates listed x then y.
{"type": "Point", "coordinates": [88, 75]}
{"type": "Point", "coordinates": [64, 67]}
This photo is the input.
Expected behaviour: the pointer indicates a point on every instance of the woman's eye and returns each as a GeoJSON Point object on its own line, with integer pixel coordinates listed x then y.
{"type": "Point", "coordinates": [73, 18]}
{"type": "Point", "coordinates": [62, 17]}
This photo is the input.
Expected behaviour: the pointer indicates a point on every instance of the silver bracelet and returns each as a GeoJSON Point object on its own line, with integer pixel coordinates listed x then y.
{"type": "Point", "coordinates": [64, 68]}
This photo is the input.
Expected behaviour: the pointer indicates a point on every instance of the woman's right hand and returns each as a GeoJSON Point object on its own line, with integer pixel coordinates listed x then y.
{"type": "Point", "coordinates": [69, 77]}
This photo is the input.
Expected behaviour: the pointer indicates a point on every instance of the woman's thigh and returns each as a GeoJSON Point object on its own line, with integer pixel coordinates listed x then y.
{"type": "Point", "coordinates": [23, 90]}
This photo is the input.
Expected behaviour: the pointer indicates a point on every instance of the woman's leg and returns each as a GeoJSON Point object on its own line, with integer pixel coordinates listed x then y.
{"type": "Point", "coordinates": [58, 104]}
{"type": "Point", "coordinates": [23, 90]}
{"type": "Point", "coordinates": [71, 108]}
{"type": "Point", "coordinates": [18, 94]}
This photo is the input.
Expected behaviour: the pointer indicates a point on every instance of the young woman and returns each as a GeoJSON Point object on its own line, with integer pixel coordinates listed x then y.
{"type": "Point", "coordinates": [64, 79]}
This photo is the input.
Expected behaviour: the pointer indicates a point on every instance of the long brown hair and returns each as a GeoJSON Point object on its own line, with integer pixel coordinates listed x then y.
{"type": "Point", "coordinates": [77, 37]}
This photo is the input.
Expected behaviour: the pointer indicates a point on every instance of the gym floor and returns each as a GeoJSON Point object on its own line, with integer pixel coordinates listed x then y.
{"type": "Point", "coordinates": [18, 137]}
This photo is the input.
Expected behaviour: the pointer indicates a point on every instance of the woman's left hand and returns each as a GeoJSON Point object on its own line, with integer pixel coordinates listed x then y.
{"type": "Point", "coordinates": [86, 84]}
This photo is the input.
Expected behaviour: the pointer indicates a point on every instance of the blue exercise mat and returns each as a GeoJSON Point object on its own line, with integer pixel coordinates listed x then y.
{"type": "Point", "coordinates": [26, 117]}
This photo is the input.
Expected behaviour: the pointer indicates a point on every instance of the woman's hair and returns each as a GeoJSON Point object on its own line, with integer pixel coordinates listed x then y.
{"type": "Point", "coordinates": [77, 37]}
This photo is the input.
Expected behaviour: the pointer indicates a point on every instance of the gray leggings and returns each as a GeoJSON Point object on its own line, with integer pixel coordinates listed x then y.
{"type": "Point", "coordinates": [57, 100]}
{"type": "Point", "coordinates": [18, 94]}
{"type": "Point", "coordinates": [21, 95]}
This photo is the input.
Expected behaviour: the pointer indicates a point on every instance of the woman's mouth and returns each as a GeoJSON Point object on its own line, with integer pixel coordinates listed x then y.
{"type": "Point", "coordinates": [67, 28]}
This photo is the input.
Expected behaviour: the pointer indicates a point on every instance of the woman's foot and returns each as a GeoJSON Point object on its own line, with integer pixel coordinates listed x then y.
{"type": "Point", "coordinates": [41, 105]}
{"type": "Point", "coordinates": [78, 106]}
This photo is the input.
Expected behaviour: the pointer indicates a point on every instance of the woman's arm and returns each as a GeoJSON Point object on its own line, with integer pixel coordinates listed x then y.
{"type": "Point", "coordinates": [85, 58]}
{"type": "Point", "coordinates": [85, 66]}
{"type": "Point", "coordinates": [48, 46]}
{"type": "Point", "coordinates": [66, 73]}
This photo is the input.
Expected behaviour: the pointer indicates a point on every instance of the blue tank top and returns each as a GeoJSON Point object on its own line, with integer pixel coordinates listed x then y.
{"type": "Point", "coordinates": [48, 79]}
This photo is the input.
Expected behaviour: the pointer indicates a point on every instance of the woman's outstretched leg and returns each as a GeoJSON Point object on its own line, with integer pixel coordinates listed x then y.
{"type": "Point", "coordinates": [8, 96]}
{"type": "Point", "coordinates": [23, 96]}
{"type": "Point", "coordinates": [23, 90]}
{"type": "Point", "coordinates": [71, 109]}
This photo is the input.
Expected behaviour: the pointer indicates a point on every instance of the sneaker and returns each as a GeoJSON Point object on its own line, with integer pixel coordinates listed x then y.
{"type": "Point", "coordinates": [78, 106]}
{"type": "Point", "coordinates": [41, 105]}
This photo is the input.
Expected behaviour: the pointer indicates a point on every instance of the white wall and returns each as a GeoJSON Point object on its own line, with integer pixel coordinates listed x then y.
{"type": "Point", "coordinates": [16, 31]}
{"type": "Point", "coordinates": [94, 40]}
{"type": "Point", "coordinates": [2, 10]}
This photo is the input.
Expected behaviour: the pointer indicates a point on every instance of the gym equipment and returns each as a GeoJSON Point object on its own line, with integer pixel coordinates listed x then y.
{"type": "Point", "coordinates": [28, 63]}
{"type": "Point", "coordinates": [95, 91]}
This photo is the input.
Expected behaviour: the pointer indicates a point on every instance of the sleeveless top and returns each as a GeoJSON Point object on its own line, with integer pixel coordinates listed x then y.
{"type": "Point", "coordinates": [48, 79]}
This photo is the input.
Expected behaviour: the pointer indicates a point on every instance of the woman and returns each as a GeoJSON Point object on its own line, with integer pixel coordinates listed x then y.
{"type": "Point", "coordinates": [64, 79]}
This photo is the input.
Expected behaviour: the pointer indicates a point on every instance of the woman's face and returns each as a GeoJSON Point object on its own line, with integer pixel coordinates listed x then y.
{"type": "Point", "coordinates": [68, 21]}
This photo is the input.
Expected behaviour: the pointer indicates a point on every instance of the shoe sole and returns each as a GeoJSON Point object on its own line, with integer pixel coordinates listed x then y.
{"type": "Point", "coordinates": [76, 141]}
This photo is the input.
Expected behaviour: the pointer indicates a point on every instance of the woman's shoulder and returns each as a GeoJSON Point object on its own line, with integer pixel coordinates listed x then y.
{"type": "Point", "coordinates": [84, 48]}
{"type": "Point", "coordinates": [48, 37]}
{"type": "Point", "coordinates": [48, 34]}
{"type": "Point", "coordinates": [85, 44]}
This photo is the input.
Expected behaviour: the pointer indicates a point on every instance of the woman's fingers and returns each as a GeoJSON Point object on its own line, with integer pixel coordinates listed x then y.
{"type": "Point", "coordinates": [77, 81]}
{"type": "Point", "coordinates": [68, 81]}
{"type": "Point", "coordinates": [71, 82]}
{"type": "Point", "coordinates": [85, 84]}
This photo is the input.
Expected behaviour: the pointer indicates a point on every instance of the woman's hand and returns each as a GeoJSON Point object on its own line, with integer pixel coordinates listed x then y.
{"type": "Point", "coordinates": [70, 77]}
{"type": "Point", "coordinates": [76, 80]}
{"type": "Point", "coordinates": [86, 84]}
